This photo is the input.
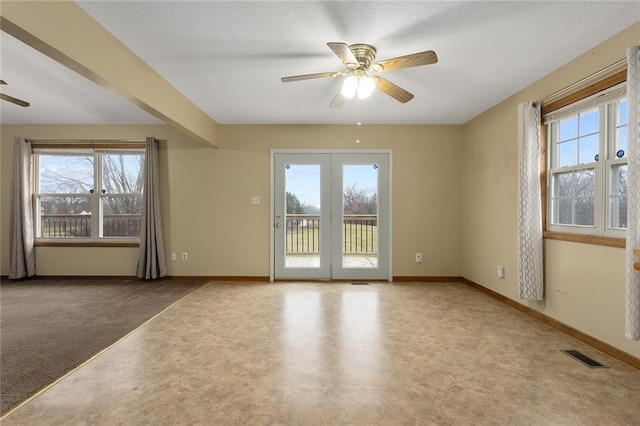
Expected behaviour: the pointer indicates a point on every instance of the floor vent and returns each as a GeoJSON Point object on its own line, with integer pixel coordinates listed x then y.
{"type": "Point", "coordinates": [359, 283]}
{"type": "Point", "coordinates": [589, 362]}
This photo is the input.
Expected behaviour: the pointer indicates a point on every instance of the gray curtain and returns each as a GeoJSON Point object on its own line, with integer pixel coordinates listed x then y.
{"type": "Point", "coordinates": [151, 263]}
{"type": "Point", "coordinates": [529, 248]}
{"type": "Point", "coordinates": [22, 261]}
{"type": "Point", "coordinates": [632, 329]}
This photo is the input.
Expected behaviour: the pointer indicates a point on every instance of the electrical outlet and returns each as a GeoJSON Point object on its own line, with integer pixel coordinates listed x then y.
{"type": "Point", "coordinates": [418, 257]}
{"type": "Point", "coordinates": [174, 256]}
{"type": "Point", "coordinates": [185, 255]}
{"type": "Point", "coordinates": [255, 200]}
{"type": "Point", "coordinates": [500, 271]}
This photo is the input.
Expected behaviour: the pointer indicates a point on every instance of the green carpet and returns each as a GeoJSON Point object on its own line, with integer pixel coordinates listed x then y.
{"type": "Point", "coordinates": [50, 326]}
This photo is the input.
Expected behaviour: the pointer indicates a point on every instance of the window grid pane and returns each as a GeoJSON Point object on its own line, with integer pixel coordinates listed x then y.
{"type": "Point", "coordinates": [73, 192]}
{"type": "Point", "coordinates": [621, 129]}
{"type": "Point", "coordinates": [618, 197]}
{"type": "Point", "coordinates": [121, 216]}
{"type": "Point", "coordinates": [122, 173]}
{"type": "Point", "coordinates": [588, 171]}
{"type": "Point", "coordinates": [573, 200]}
{"type": "Point", "coordinates": [65, 174]}
{"type": "Point", "coordinates": [578, 139]}
{"type": "Point", "coordinates": [65, 216]}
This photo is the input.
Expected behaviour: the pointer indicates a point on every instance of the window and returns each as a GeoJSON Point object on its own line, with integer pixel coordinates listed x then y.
{"type": "Point", "coordinates": [88, 194]}
{"type": "Point", "coordinates": [587, 176]}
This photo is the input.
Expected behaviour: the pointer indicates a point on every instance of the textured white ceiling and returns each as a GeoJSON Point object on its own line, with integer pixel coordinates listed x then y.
{"type": "Point", "coordinates": [228, 56]}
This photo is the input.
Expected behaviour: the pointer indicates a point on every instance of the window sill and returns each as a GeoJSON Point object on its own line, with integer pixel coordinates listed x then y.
{"type": "Point", "coordinates": [586, 239]}
{"type": "Point", "coordinates": [86, 244]}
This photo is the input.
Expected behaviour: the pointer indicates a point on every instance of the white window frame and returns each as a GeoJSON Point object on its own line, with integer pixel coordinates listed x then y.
{"type": "Point", "coordinates": [96, 204]}
{"type": "Point", "coordinates": [605, 101]}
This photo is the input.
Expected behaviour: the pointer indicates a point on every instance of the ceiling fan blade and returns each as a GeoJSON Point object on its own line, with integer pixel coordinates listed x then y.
{"type": "Point", "coordinates": [343, 52]}
{"type": "Point", "coordinates": [414, 60]}
{"type": "Point", "coordinates": [3, 82]}
{"type": "Point", "coordinates": [337, 101]}
{"type": "Point", "coordinates": [14, 100]}
{"type": "Point", "coordinates": [393, 90]}
{"type": "Point", "coordinates": [310, 76]}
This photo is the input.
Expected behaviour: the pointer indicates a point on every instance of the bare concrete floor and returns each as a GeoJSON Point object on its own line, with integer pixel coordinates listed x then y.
{"type": "Point", "coordinates": [314, 353]}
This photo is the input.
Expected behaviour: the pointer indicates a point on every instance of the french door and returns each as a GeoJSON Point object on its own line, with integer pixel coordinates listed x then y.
{"type": "Point", "coordinates": [331, 215]}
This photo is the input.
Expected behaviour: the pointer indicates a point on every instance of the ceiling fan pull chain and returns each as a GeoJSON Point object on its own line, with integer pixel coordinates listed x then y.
{"type": "Point", "coordinates": [358, 123]}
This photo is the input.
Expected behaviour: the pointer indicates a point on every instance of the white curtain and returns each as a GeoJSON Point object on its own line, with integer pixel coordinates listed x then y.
{"type": "Point", "coordinates": [151, 263]}
{"type": "Point", "coordinates": [22, 261]}
{"type": "Point", "coordinates": [530, 260]}
{"type": "Point", "coordinates": [633, 192]}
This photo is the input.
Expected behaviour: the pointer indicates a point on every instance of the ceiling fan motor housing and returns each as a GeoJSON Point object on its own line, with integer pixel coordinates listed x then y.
{"type": "Point", "coordinates": [365, 54]}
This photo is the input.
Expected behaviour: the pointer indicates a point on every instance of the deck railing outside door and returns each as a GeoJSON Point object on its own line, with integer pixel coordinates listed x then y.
{"type": "Point", "coordinates": [360, 232]}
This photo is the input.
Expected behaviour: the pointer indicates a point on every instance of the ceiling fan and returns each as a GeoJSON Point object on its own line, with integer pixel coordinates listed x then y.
{"type": "Point", "coordinates": [360, 60]}
{"type": "Point", "coordinates": [11, 99]}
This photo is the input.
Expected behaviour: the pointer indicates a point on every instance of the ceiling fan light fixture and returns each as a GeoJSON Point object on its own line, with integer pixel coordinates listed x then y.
{"type": "Point", "coordinates": [350, 86]}
{"type": "Point", "coordinates": [366, 86]}
{"type": "Point", "coordinates": [360, 85]}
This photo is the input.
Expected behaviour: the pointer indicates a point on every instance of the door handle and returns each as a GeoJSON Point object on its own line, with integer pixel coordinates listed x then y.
{"type": "Point", "coordinates": [277, 225]}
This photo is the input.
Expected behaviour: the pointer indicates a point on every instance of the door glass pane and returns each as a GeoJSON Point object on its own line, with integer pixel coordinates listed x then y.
{"type": "Point", "coordinates": [360, 216]}
{"type": "Point", "coordinates": [302, 217]}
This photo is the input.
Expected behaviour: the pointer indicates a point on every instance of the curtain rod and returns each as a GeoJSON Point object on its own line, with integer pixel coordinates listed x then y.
{"type": "Point", "coordinates": [586, 81]}
{"type": "Point", "coordinates": [87, 140]}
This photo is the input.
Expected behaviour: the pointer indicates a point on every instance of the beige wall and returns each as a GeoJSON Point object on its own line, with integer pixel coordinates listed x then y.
{"type": "Point", "coordinates": [584, 284]}
{"type": "Point", "coordinates": [206, 194]}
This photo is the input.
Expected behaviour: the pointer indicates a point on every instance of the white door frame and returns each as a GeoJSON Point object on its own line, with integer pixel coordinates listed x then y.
{"type": "Point", "coordinates": [275, 151]}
